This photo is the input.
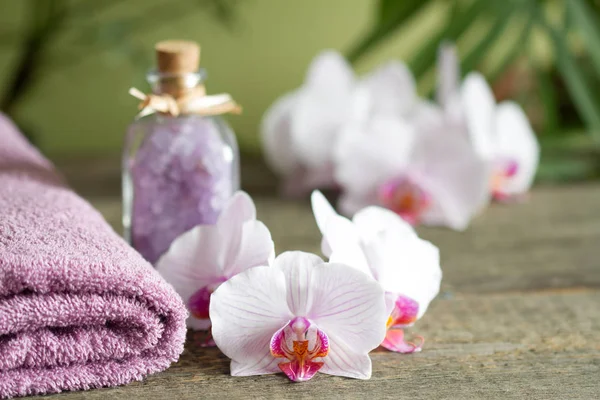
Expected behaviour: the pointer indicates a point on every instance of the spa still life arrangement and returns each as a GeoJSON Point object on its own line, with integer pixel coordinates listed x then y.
{"type": "Point", "coordinates": [82, 308]}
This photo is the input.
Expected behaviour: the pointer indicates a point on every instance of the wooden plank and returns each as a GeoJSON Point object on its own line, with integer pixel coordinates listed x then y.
{"type": "Point", "coordinates": [552, 241]}
{"type": "Point", "coordinates": [518, 315]}
{"type": "Point", "coordinates": [534, 346]}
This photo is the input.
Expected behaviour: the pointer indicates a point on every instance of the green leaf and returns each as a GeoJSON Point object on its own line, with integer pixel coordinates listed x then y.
{"type": "Point", "coordinates": [454, 28]}
{"type": "Point", "coordinates": [567, 141]}
{"type": "Point", "coordinates": [566, 170]}
{"type": "Point", "coordinates": [549, 101]}
{"type": "Point", "coordinates": [583, 17]}
{"type": "Point", "coordinates": [515, 51]}
{"type": "Point", "coordinates": [389, 10]}
{"type": "Point", "coordinates": [575, 80]}
{"type": "Point", "coordinates": [473, 58]}
{"type": "Point", "coordinates": [392, 14]}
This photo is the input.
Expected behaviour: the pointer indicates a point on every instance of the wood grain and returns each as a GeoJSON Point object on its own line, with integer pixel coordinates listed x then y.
{"type": "Point", "coordinates": [518, 316]}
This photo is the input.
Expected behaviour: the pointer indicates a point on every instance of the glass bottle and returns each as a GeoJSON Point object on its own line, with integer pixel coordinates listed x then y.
{"type": "Point", "coordinates": [178, 171]}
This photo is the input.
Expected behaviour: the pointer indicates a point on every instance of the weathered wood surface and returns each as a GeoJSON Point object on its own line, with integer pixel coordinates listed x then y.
{"type": "Point", "coordinates": [518, 316]}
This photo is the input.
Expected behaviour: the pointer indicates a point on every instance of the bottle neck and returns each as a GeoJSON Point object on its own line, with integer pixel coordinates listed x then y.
{"type": "Point", "coordinates": [176, 85]}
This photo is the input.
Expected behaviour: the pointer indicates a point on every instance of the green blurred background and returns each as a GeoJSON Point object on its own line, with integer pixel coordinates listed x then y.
{"type": "Point", "coordinates": [83, 107]}
{"type": "Point", "coordinates": [88, 53]}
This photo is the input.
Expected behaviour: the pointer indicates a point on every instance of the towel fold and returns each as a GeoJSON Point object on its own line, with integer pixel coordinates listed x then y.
{"type": "Point", "coordinates": [79, 308]}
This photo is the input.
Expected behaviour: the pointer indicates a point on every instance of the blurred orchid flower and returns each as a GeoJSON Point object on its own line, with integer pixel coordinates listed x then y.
{"type": "Point", "coordinates": [448, 87]}
{"type": "Point", "coordinates": [379, 243]}
{"type": "Point", "coordinates": [300, 129]}
{"type": "Point", "coordinates": [299, 316]}
{"type": "Point", "coordinates": [389, 92]}
{"type": "Point", "coordinates": [502, 134]}
{"type": "Point", "coordinates": [425, 172]}
{"type": "Point", "coordinates": [204, 257]}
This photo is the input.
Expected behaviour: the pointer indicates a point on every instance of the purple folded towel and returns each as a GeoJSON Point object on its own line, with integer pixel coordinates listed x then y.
{"type": "Point", "coordinates": [79, 308]}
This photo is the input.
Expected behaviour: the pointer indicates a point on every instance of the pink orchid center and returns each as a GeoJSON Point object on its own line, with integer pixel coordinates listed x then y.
{"type": "Point", "coordinates": [199, 302]}
{"type": "Point", "coordinates": [504, 170]}
{"type": "Point", "coordinates": [300, 342]}
{"type": "Point", "coordinates": [405, 197]}
{"type": "Point", "coordinates": [404, 313]}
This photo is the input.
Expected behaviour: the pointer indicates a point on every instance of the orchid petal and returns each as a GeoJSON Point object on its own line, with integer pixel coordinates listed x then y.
{"type": "Point", "coordinates": [392, 89]}
{"type": "Point", "coordinates": [298, 268]}
{"type": "Point", "coordinates": [343, 361]}
{"type": "Point", "coordinates": [322, 210]}
{"type": "Point", "coordinates": [409, 267]}
{"type": "Point", "coordinates": [341, 241]}
{"type": "Point", "coordinates": [276, 135]}
{"type": "Point", "coordinates": [367, 156]}
{"type": "Point", "coordinates": [346, 246]}
{"type": "Point", "coordinates": [455, 176]}
{"type": "Point", "coordinates": [240, 208]}
{"type": "Point", "coordinates": [390, 302]}
{"type": "Point", "coordinates": [245, 315]}
{"type": "Point", "coordinates": [350, 203]}
{"type": "Point", "coordinates": [479, 108]}
{"type": "Point", "coordinates": [324, 104]}
{"type": "Point", "coordinates": [178, 267]}
{"type": "Point", "coordinates": [373, 220]}
{"type": "Point", "coordinates": [428, 116]}
{"type": "Point", "coordinates": [448, 75]}
{"type": "Point", "coordinates": [256, 248]}
{"type": "Point", "coordinates": [329, 71]}
{"type": "Point", "coordinates": [191, 262]}
{"type": "Point", "coordinates": [362, 104]}
{"type": "Point", "coordinates": [516, 141]}
{"type": "Point", "coordinates": [350, 307]}
{"type": "Point", "coordinates": [394, 341]}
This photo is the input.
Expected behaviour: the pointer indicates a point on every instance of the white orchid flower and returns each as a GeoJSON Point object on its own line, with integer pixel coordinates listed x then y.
{"type": "Point", "coordinates": [387, 92]}
{"type": "Point", "coordinates": [379, 243]}
{"type": "Point", "coordinates": [425, 172]}
{"type": "Point", "coordinates": [502, 134]}
{"type": "Point", "coordinates": [408, 155]}
{"type": "Point", "coordinates": [299, 316]}
{"type": "Point", "coordinates": [300, 129]}
{"type": "Point", "coordinates": [204, 257]}
{"type": "Point", "coordinates": [447, 93]}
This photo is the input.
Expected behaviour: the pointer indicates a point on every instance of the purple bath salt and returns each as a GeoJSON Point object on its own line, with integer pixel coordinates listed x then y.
{"type": "Point", "coordinates": [179, 167]}
{"type": "Point", "coordinates": [182, 174]}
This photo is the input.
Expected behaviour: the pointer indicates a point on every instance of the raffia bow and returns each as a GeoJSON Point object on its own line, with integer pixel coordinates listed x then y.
{"type": "Point", "coordinates": [194, 102]}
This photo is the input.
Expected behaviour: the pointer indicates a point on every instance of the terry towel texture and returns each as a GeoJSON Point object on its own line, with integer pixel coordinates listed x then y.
{"type": "Point", "coordinates": [79, 308]}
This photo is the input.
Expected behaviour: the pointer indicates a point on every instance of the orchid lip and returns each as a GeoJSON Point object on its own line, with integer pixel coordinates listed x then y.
{"type": "Point", "coordinates": [404, 314]}
{"type": "Point", "coordinates": [199, 302]}
{"type": "Point", "coordinates": [300, 342]}
{"type": "Point", "coordinates": [394, 341]}
{"type": "Point", "coordinates": [405, 197]}
{"type": "Point", "coordinates": [504, 170]}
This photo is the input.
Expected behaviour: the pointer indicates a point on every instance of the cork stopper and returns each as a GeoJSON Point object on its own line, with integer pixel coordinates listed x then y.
{"type": "Point", "coordinates": [177, 63]}
{"type": "Point", "coordinates": [177, 56]}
